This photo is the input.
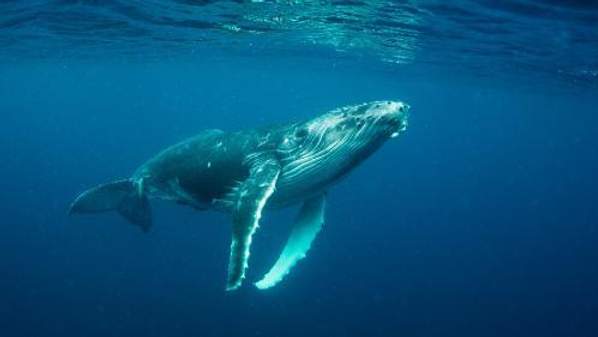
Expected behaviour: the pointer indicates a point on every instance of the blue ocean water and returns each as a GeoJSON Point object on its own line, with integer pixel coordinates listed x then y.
{"type": "Point", "coordinates": [480, 220]}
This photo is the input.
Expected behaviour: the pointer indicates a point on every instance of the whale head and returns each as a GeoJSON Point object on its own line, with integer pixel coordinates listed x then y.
{"type": "Point", "coordinates": [358, 127]}
{"type": "Point", "coordinates": [318, 152]}
{"type": "Point", "coordinates": [373, 120]}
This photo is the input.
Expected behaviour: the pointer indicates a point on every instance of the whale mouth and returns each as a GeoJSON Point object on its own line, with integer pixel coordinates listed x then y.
{"type": "Point", "coordinates": [402, 127]}
{"type": "Point", "coordinates": [400, 119]}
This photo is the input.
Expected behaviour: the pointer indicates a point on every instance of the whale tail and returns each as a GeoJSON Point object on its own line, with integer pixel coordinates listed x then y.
{"type": "Point", "coordinates": [124, 196]}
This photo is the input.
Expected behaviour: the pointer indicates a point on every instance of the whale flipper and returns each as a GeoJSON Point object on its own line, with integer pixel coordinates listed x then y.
{"type": "Point", "coordinates": [308, 224]}
{"type": "Point", "coordinates": [248, 201]}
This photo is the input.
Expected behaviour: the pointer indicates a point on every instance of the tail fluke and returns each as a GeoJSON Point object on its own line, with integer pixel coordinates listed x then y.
{"type": "Point", "coordinates": [124, 196]}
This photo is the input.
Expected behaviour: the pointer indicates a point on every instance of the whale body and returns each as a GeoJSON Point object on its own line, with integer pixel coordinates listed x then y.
{"type": "Point", "coordinates": [245, 172]}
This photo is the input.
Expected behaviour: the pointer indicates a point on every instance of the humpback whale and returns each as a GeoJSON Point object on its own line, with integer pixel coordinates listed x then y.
{"type": "Point", "coordinates": [246, 172]}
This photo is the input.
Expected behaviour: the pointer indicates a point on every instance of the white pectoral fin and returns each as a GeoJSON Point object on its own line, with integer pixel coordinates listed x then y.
{"type": "Point", "coordinates": [308, 224]}
{"type": "Point", "coordinates": [248, 201]}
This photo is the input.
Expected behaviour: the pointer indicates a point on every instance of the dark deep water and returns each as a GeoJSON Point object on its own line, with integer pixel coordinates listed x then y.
{"type": "Point", "coordinates": [480, 221]}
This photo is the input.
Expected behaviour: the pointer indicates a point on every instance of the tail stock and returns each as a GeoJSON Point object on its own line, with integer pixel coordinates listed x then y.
{"type": "Point", "coordinates": [124, 196]}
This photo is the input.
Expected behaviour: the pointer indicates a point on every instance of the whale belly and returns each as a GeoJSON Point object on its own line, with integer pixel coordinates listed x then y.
{"type": "Point", "coordinates": [295, 186]}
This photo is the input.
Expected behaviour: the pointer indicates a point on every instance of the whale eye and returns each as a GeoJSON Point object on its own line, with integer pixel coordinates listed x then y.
{"type": "Point", "coordinates": [300, 133]}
